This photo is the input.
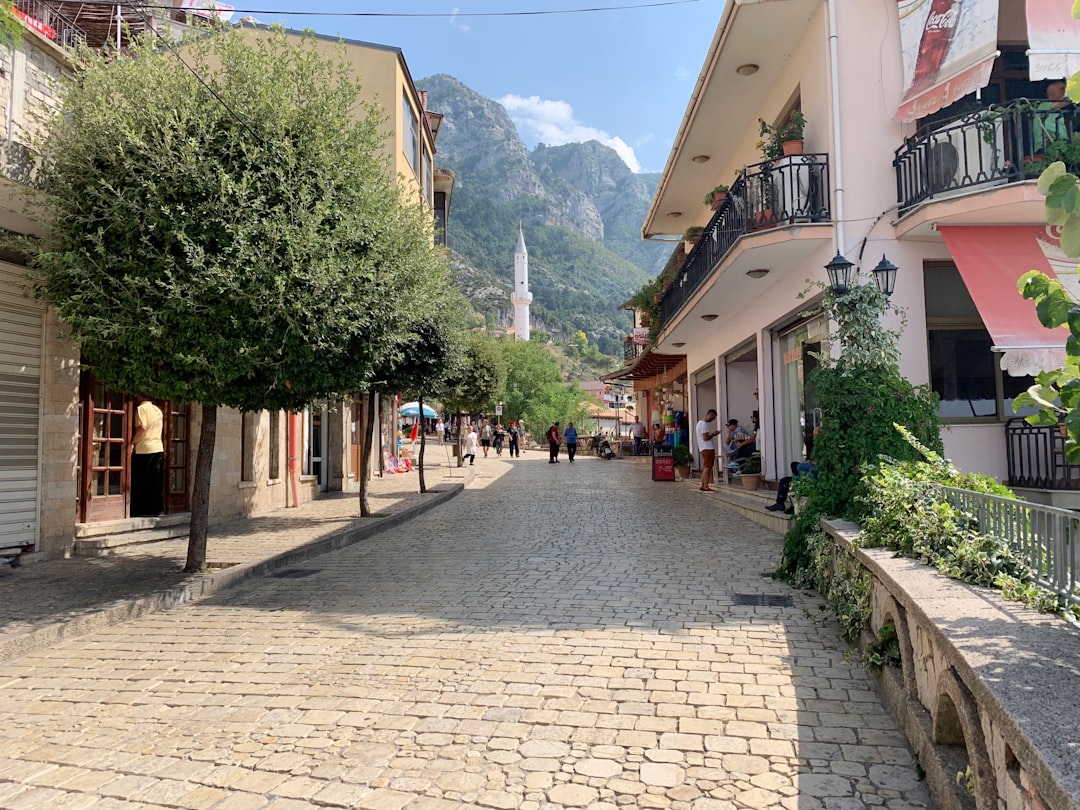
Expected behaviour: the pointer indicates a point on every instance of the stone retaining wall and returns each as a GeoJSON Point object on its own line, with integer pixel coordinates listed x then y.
{"type": "Point", "coordinates": [984, 683]}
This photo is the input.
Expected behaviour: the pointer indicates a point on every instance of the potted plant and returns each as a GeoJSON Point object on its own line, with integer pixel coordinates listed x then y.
{"type": "Point", "coordinates": [716, 198]}
{"type": "Point", "coordinates": [751, 472]}
{"type": "Point", "coordinates": [681, 455]}
{"type": "Point", "coordinates": [784, 139]}
{"type": "Point", "coordinates": [692, 236]}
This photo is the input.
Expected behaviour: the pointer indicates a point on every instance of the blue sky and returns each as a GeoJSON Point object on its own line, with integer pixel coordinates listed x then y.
{"type": "Point", "coordinates": [621, 77]}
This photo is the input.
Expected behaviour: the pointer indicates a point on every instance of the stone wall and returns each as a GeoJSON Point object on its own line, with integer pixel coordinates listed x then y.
{"type": "Point", "coordinates": [986, 687]}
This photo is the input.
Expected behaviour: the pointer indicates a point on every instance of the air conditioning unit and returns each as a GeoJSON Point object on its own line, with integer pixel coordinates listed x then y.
{"type": "Point", "coordinates": [961, 158]}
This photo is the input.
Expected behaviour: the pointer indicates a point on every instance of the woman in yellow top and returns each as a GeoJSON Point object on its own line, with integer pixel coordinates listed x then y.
{"type": "Point", "coordinates": [148, 460]}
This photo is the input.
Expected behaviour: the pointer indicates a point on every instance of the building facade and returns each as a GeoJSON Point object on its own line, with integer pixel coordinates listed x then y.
{"type": "Point", "coordinates": [926, 127]}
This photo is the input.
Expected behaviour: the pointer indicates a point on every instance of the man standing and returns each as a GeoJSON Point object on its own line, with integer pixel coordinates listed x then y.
{"type": "Point", "coordinates": [637, 430]}
{"type": "Point", "coordinates": [707, 446]}
{"type": "Point", "coordinates": [570, 437]}
{"type": "Point", "coordinates": [512, 434]}
{"type": "Point", "coordinates": [553, 443]}
{"type": "Point", "coordinates": [147, 460]}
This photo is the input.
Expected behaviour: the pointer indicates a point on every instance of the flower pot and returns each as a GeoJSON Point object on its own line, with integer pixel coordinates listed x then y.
{"type": "Point", "coordinates": [792, 148]}
{"type": "Point", "coordinates": [719, 198]}
{"type": "Point", "coordinates": [656, 298]}
{"type": "Point", "coordinates": [750, 481]}
{"type": "Point", "coordinates": [764, 219]}
{"type": "Point", "coordinates": [684, 472]}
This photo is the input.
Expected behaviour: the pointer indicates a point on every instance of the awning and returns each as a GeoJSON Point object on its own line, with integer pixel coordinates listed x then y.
{"type": "Point", "coordinates": [648, 364]}
{"type": "Point", "coordinates": [1053, 40]}
{"type": "Point", "coordinates": [949, 48]}
{"type": "Point", "coordinates": [991, 261]}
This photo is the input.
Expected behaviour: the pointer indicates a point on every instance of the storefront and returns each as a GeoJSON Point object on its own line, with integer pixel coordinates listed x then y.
{"type": "Point", "coordinates": [800, 344]}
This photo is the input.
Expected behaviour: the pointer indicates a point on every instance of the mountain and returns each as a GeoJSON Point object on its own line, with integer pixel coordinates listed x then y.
{"type": "Point", "coordinates": [580, 206]}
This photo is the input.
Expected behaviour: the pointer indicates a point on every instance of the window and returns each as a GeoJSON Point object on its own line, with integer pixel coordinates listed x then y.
{"type": "Point", "coordinates": [274, 472]}
{"type": "Point", "coordinates": [410, 134]}
{"type": "Point", "coordinates": [964, 370]}
{"type": "Point", "coordinates": [248, 424]}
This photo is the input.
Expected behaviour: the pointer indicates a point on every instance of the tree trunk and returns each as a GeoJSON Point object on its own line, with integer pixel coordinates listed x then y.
{"type": "Point", "coordinates": [365, 455]}
{"type": "Point", "coordinates": [200, 492]}
{"type": "Point", "coordinates": [460, 441]}
{"type": "Point", "coordinates": [423, 436]}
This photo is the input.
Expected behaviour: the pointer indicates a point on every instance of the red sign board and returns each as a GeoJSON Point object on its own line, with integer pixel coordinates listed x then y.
{"type": "Point", "coordinates": [663, 468]}
{"type": "Point", "coordinates": [36, 25]}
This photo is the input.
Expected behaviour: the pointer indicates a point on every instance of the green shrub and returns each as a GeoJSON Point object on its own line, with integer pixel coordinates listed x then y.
{"type": "Point", "coordinates": [681, 455]}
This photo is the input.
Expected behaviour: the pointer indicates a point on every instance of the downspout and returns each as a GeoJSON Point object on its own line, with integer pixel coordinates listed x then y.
{"type": "Point", "coordinates": [293, 441]}
{"type": "Point", "coordinates": [838, 159]}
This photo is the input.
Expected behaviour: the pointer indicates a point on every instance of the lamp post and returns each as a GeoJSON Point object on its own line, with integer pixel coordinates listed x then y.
{"type": "Point", "coordinates": [841, 278]}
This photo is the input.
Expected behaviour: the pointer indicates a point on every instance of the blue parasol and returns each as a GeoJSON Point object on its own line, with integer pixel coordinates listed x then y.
{"type": "Point", "coordinates": [413, 409]}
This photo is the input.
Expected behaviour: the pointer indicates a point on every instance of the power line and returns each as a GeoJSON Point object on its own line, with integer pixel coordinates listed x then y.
{"type": "Point", "coordinates": [413, 15]}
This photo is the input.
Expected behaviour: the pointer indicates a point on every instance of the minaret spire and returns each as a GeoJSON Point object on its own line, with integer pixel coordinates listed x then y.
{"type": "Point", "coordinates": [521, 297]}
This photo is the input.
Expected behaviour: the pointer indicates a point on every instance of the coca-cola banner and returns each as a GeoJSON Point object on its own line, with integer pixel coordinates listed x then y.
{"type": "Point", "coordinates": [1053, 39]}
{"type": "Point", "coordinates": [949, 47]}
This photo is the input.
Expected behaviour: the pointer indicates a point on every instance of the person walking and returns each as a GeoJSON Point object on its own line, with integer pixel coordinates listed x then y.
{"type": "Point", "coordinates": [521, 436]}
{"type": "Point", "coordinates": [553, 443]}
{"type": "Point", "coordinates": [497, 441]}
{"type": "Point", "coordinates": [514, 443]}
{"type": "Point", "coordinates": [470, 445]}
{"type": "Point", "coordinates": [570, 437]}
{"type": "Point", "coordinates": [637, 431]}
{"type": "Point", "coordinates": [485, 436]}
{"type": "Point", "coordinates": [707, 445]}
{"type": "Point", "coordinates": [147, 460]}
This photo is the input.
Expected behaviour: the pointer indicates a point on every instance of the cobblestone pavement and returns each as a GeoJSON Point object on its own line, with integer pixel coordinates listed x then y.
{"type": "Point", "coordinates": [556, 636]}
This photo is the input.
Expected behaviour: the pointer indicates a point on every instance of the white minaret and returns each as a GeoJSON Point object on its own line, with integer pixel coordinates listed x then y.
{"type": "Point", "coordinates": [521, 297]}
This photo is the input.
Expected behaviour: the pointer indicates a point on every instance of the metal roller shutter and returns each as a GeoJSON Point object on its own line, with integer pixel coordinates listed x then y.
{"type": "Point", "coordinates": [20, 394]}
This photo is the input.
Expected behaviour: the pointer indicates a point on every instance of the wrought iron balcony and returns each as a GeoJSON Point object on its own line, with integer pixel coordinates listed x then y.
{"type": "Point", "coordinates": [986, 148]}
{"type": "Point", "coordinates": [1036, 457]}
{"type": "Point", "coordinates": [772, 194]}
{"type": "Point", "coordinates": [630, 350]}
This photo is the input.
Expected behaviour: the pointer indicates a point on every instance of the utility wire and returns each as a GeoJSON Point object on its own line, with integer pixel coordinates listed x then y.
{"type": "Point", "coordinates": [447, 14]}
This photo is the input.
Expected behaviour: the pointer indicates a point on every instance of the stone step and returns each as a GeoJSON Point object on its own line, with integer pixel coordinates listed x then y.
{"type": "Point", "coordinates": [99, 539]}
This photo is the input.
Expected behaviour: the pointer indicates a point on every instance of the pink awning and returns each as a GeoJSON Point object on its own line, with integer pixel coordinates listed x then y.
{"type": "Point", "coordinates": [949, 47]}
{"type": "Point", "coordinates": [991, 261]}
{"type": "Point", "coordinates": [1053, 40]}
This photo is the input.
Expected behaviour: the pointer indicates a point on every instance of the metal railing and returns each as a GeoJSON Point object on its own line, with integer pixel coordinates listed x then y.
{"type": "Point", "coordinates": [50, 22]}
{"type": "Point", "coordinates": [772, 194]}
{"type": "Point", "coordinates": [1035, 457]}
{"type": "Point", "coordinates": [1046, 536]}
{"type": "Point", "coordinates": [986, 148]}
{"type": "Point", "coordinates": [630, 350]}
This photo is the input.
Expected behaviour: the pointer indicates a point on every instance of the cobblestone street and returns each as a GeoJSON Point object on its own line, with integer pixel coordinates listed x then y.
{"type": "Point", "coordinates": [568, 635]}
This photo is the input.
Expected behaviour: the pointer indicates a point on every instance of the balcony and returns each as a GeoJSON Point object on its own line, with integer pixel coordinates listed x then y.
{"type": "Point", "coordinates": [630, 350]}
{"type": "Point", "coordinates": [984, 149]}
{"type": "Point", "coordinates": [770, 195]}
{"type": "Point", "coordinates": [1036, 457]}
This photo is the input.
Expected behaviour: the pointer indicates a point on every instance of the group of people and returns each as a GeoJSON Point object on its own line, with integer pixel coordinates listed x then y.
{"type": "Point", "coordinates": [493, 437]}
{"type": "Point", "coordinates": [555, 439]}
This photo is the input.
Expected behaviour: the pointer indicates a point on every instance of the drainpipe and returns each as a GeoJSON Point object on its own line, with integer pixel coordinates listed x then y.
{"type": "Point", "coordinates": [838, 169]}
{"type": "Point", "coordinates": [293, 440]}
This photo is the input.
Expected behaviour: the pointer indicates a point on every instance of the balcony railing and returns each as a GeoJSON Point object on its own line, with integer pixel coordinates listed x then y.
{"type": "Point", "coordinates": [1036, 457]}
{"type": "Point", "coordinates": [785, 191]}
{"type": "Point", "coordinates": [630, 350]}
{"type": "Point", "coordinates": [50, 22]}
{"type": "Point", "coordinates": [986, 148]}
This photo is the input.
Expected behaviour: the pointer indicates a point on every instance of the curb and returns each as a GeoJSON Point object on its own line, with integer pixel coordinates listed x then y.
{"type": "Point", "coordinates": [201, 586]}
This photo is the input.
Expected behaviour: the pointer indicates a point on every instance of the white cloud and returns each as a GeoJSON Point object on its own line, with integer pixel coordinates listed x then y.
{"type": "Point", "coordinates": [682, 73]}
{"type": "Point", "coordinates": [553, 123]}
{"type": "Point", "coordinates": [460, 26]}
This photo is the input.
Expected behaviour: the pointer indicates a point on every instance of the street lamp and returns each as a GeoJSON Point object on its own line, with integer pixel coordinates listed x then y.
{"type": "Point", "coordinates": [841, 278]}
{"type": "Point", "coordinates": [839, 270]}
{"type": "Point", "coordinates": [885, 276]}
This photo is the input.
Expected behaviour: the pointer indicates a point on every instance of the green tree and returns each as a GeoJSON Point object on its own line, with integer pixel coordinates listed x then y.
{"type": "Point", "coordinates": [429, 353]}
{"type": "Point", "coordinates": [479, 380]}
{"type": "Point", "coordinates": [862, 396]}
{"type": "Point", "coordinates": [535, 388]}
{"type": "Point", "coordinates": [231, 241]}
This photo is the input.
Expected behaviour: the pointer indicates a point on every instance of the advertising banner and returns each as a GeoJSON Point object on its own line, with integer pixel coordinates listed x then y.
{"type": "Point", "coordinates": [640, 336]}
{"type": "Point", "coordinates": [209, 9]}
{"type": "Point", "coordinates": [949, 47]}
{"type": "Point", "coordinates": [1053, 40]}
